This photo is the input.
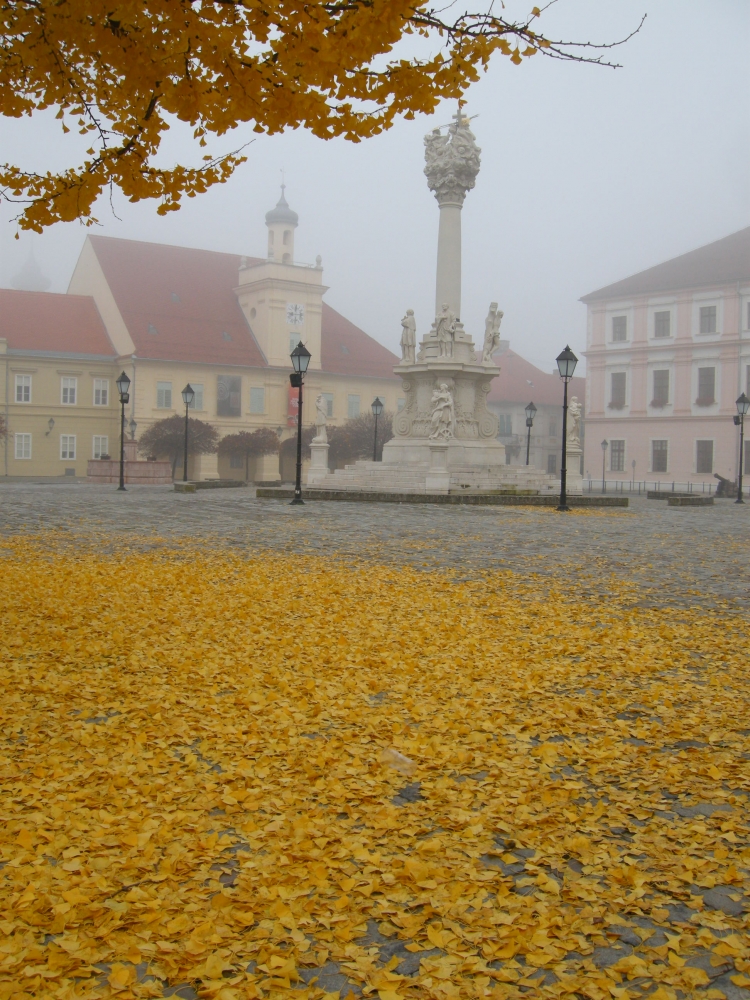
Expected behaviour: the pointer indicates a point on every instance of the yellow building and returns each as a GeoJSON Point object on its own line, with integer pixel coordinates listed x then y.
{"type": "Point", "coordinates": [172, 315]}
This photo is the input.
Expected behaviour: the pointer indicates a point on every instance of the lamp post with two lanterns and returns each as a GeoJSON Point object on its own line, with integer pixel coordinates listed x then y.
{"type": "Point", "coordinates": [188, 397]}
{"type": "Point", "coordinates": [530, 414]}
{"type": "Point", "coordinates": [300, 360]}
{"type": "Point", "coordinates": [123, 385]}
{"type": "Point", "coordinates": [566, 365]}
{"type": "Point", "coordinates": [743, 405]}
{"type": "Point", "coordinates": [377, 409]}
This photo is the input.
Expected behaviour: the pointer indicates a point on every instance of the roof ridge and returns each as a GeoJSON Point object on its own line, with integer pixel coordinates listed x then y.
{"type": "Point", "coordinates": [171, 246]}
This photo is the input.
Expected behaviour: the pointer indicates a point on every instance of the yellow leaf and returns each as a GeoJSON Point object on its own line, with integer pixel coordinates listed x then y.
{"type": "Point", "coordinates": [214, 966]}
{"type": "Point", "coordinates": [25, 839]}
{"type": "Point", "coordinates": [121, 976]}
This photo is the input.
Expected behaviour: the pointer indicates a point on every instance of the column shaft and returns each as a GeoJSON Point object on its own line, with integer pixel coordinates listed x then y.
{"type": "Point", "coordinates": [448, 284]}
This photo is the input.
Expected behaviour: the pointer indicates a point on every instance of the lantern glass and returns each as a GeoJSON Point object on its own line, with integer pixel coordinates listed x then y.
{"type": "Point", "coordinates": [605, 445]}
{"type": "Point", "coordinates": [188, 395]}
{"type": "Point", "coordinates": [743, 404]}
{"type": "Point", "coordinates": [377, 406]}
{"type": "Point", "coordinates": [566, 363]}
{"type": "Point", "coordinates": [530, 411]}
{"type": "Point", "coordinates": [123, 384]}
{"type": "Point", "coordinates": [300, 358]}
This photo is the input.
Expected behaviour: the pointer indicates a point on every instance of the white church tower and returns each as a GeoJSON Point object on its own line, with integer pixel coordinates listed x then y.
{"type": "Point", "coordinates": [281, 222]}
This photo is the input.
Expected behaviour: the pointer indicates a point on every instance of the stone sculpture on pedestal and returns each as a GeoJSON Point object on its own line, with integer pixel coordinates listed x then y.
{"type": "Point", "coordinates": [491, 333]}
{"type": "Point", "coordinates": [445, 329]}
{"type": "Point", "coordinates": [321, 415]}
{"type": "Point", "coordinates": [408, 338]}
{"type": "Point", "coordinates": [574, 424]}
{"type": "Point", "coordinates": [443, 419]}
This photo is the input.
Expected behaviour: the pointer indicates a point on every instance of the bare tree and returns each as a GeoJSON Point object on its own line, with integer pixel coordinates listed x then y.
{"type": "Point", "coordinates": [355, 437]}
{"type": "Point", "coordinates": [166, 438]}
{"type": "Point", "coordinates": [251, 444]}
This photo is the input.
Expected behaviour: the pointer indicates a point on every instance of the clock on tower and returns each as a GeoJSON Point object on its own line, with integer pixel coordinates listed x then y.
{"type": "Point", "coordinates": [295, 314]}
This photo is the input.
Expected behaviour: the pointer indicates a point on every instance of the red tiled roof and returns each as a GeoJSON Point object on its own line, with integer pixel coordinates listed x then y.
{"type": "Point", "coordinates": [187, 297]}
{"type": "Point", "coordinates": [521, 382]}
{"type": "Point", "coordinates": [347, 350]}
{"type": "Point", "coordinates": [725, 261]}
{"type": "Point", "coordinates": [178, 303]}
{"type": "Point", "coordinates": [45, 321]}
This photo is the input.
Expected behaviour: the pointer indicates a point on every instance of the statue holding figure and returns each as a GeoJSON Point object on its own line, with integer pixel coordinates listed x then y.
{"type": "Point", "coordinates": [321, 415]}
{"type": "Point", "coordinates": [408, 338]}
{"type": "Point", "coordinates": [443, 419]}
{"type": "Point", "coordinates": [445, 328]}
{"type": "Point", "coordinates": [574, 423]}
{"type": "Point", "coordinates": [491, 333]}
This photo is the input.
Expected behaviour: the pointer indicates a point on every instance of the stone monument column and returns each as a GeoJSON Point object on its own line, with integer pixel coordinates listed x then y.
{"type": "Point", "coordinates": [452, 164]}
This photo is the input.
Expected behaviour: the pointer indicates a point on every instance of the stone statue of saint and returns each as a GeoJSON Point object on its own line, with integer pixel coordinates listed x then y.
{"type": "Point", "coordinates": [321, 414]}
{"type": "Point", "coordinates": [491, 333]}
{"type": "Point", "coordinates": [445, 327]}
{"type": "Point", "coordinates": [574, 423]}
{"type": "Point", "coordinates": [408, 337]}
{"type": "Point", "coordinates": [443, 419]}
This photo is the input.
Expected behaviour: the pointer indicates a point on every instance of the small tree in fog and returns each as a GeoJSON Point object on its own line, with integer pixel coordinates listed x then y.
{"type": "Point", "coordinates": [250, 444]}
{"type": "Point", "coordinates": [354, 438]}
{"type": "Point", "coordinates": [3, 428]}
{"type": "Point", "coordinates": [166, 439]}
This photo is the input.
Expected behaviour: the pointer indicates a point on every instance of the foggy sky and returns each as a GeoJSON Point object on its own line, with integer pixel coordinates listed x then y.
{"type": "Point", "coordinates": [588, 175]}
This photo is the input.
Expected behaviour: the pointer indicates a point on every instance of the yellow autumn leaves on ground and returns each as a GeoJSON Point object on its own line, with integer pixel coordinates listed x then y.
{"type": "Point", "coordinates": [198, 788]}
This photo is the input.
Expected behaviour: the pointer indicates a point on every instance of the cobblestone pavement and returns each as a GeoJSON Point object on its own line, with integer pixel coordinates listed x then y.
{"type": "Point", "coordinates": [673, 556]}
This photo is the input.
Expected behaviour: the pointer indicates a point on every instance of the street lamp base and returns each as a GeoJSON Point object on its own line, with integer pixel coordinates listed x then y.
{"type": "Point", "coordinates": [562, 506]}
{"type": "Point", "coordinates": [297, 500]}
{"type": "Point", "coordinates": [121, 489]}
{"type": "Point", "coordinates": [739, 500]}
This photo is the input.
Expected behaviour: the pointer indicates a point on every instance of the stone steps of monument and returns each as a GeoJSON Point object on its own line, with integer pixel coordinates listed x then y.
{"type": "Point", "coordinates": [379, 477]}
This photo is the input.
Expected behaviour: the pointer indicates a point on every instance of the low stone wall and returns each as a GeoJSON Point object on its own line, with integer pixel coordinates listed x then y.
{"type": "Point", "coordinates": [103, 470]}
{"type": "Point", "coordinates": [483, 499]}
{"type": "Point", "coordinates": [690, 501]}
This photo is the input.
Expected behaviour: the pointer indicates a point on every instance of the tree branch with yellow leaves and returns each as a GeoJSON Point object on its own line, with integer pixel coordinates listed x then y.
{"type": "Point", "coordinates": [124, 71]}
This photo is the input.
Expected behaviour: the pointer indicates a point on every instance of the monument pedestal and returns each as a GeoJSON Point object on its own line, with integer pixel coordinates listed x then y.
{"type": "Point", "coordinates": [574, 478]}
{"type": "Point", "coordinates": [438, 479]}
{"type": "Point", "coordinates": [318, 470]}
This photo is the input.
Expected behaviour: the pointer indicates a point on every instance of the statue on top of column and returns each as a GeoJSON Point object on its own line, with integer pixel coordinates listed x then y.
{"type": "Point", "coordinates": [321, 414]}
{"type": "Point", "coordinates": [452, 160]}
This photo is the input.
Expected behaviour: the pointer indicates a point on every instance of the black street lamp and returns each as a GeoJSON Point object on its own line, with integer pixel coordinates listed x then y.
{"type": "Point", "coordinates": [188, 398]}
{"type": "Point", "coordinates": [743, 405]}
{"type": "Point", "coordinates": [605, 445]}
{"type": "Point", "coordinates": [132, 427]}
{"type": "Point", "coordinates": [123, 385]}
{"type": "Point", "coordinates": [300, 360]}
{"type": "Point", "coordinates": [566, 365]}
{"type": "Point", "coordinates": [377, 409]}
{"type": "Point", "coordinates": [530, 414]}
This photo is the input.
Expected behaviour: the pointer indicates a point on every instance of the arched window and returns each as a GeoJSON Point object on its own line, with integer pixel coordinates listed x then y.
{"type": "Point", "coordinates": [270, 237]}
{"type": "Point", "coordinates": [287, 234]}
{"type": "Point", "coordinates": [286, 259]}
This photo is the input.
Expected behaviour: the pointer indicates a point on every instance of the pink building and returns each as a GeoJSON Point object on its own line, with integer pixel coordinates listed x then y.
{"type": "Point", "coordinates": [668, 354]}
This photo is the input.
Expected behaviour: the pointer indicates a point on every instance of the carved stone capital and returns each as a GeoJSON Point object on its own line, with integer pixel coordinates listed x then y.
{"type": "Point", "coordinates": [452, 163]}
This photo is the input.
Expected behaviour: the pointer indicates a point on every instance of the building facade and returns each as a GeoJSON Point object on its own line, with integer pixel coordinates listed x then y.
{"type": "Point", "coordinates": [168, 316]}
{"type": "Point", "coordinates": [668, 353]}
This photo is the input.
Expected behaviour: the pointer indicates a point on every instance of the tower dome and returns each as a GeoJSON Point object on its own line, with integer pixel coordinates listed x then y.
{"type": "Point", "coordinates": [281, 222]}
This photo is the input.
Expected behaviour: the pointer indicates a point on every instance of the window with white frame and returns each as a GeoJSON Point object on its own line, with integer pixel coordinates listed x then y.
{"type": "Point", "coordinates": [294, 339]}
{"type": "Point", "coordinates": [164, 395]}
{"type": "Point", "coordinates": [23, 388]}
{"type": "Point", "coordinates": [659, 452]}
{"type": "Point", "coordinates": [328, 399]}
{"type": "Point", "coordinates": [505, 424]}
{"type": "Point", "coordinates": [68, 446]}
{"type": "Point", "coordinates": [553, 427]}
{"type": "Point", "coordinates": [707, 319]}
{"type": "Point", "coordinates": [101, 392]}
{"type": "Point", "coordinates": [401, 401]}
{"type": "Point", "coordinates": [706, 386]}
{"type": "Point", "coordinates": [101, 445]}
{"type": "Point", "coordinates": [257, 399]}
{"type": "Point", "coordinates": [23, 445]}
{"type": "Point", "coordinates": [236, 460]}
{"type": "Point", "coordinates": [663, 323]}
{"type": "Point", "coordinates": [352, 406]}
{"type": "Point", "coordinates": [661, 387]}
{"type": "Point", "coordinates": [552, 465]}
{"type": "Point", "coordinates": [617, 456]}
{"type": "Point", "coordinates": [704, 456]}
{"type": "Point", "coordinates": [197, 403]}
{"type": "Point", "coordinates": [69, 391]}
{"type": "Point", "coordinates": [619, 329]}
{"type": "Point", "coordinates": [618, 390]}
